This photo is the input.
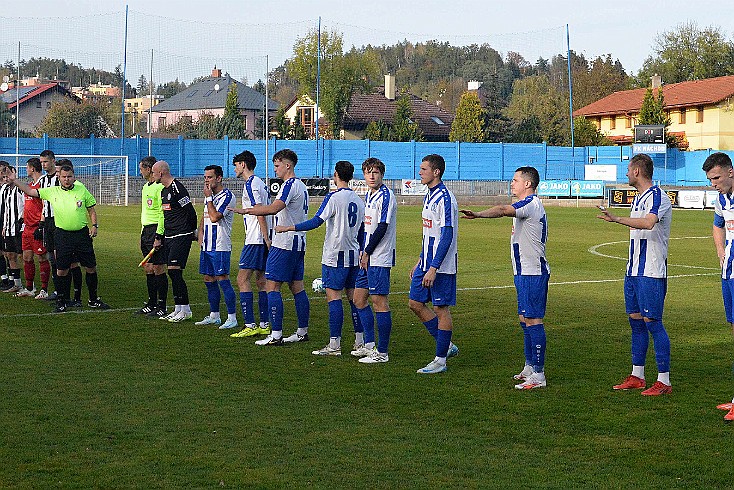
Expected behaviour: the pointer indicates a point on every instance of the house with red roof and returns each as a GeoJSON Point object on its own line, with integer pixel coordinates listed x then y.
{"type": "Point", "coordinates": [35, 101]}
{"type": "Point", "coordinates": [700, 111]}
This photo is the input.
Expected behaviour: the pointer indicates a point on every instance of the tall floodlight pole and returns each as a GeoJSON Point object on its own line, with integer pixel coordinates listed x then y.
{"type": "Point", "coordinates": [318, 84]}
{"type": "Point", "coordinates": [17, 109]}
{"type": "Point", "coordinates": [124, 78]}
{"type": "Point", "coordinates": [267, 119]}
{"type": "Point", "coordinates": [570, 101]}
{"type": "Point", "coordinates": [150, 107]}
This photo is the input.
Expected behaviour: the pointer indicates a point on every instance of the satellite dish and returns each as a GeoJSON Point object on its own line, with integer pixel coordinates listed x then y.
{"type": "Point", "coordinates": [216, 87]}
{"type": "Point", "coordinates": [3, 87]}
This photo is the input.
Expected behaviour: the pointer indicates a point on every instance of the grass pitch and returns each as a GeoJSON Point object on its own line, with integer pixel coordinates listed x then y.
{"type": "Point", "coordinates": [107, 399]}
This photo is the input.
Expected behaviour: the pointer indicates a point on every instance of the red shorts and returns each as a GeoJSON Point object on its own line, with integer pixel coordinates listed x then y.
{"type": "Point", "coordinates": [30, 243]}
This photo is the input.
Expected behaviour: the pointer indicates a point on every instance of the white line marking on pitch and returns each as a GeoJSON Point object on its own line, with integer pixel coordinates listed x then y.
{"type": "Point", "coordinates": [595, 251]}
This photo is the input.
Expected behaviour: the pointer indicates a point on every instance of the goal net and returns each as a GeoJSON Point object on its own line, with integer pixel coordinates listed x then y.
{"type": "Point", "coordinates": [106, 176]}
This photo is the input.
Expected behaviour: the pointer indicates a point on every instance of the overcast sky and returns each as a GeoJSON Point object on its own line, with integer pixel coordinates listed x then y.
{"type": "Point", "coordinates": [624, 28]}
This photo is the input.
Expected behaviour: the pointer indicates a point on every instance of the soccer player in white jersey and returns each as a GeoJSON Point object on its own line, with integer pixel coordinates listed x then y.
{"type": "Point", "coordinates": [376, 259]}
{"type": "Point", "coordinates": [530, 268]}
{"type": "Point", "coordinates": [645, 282]}
{"type": "Point", "coordinates": [215, 239]}
{"type": "Point", "coordinates": [433, 278]}
{"type": "Point", "coordinates": [718, 168]}
{"type": "Point", "coordinates": [255, 250]}
{"type": "Point", "coordinates": [343, 212]}
{"type": "Point", "coordinates": [287, 251]}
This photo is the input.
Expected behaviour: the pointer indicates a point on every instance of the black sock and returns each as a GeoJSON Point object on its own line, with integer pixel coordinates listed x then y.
{"type": "Point", "coordinates": [76, 275]}
{"type": "Point", "coordinates": [4, 269]}
{"type": "Point", "coordinates": [64, 285]}
{"type": "Point", "coordinates": [54, 274]}
{"type": "Point", "coordinates": [92, 282]}
{"type": "Point", "coordinates": [15, 274]}
{"type": "Point", "coordinates": [162, 281]}
{"type": "Point", "coordinates": [150, 280]}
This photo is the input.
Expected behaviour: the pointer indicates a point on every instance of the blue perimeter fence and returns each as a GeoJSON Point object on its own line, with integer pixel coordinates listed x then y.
{"type": "Point", "coordinates": [464, 161]}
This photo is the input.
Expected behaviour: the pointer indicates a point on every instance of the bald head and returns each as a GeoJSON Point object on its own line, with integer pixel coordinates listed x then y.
{"type": "Point", "coordinates": [161, 172]}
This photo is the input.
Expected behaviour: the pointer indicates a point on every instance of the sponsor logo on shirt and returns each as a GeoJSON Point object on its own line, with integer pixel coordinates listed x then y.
{"type": "Point", "coordinates": [427, 223]}
{"type": "Point", "coordinates": [166, 207]}
{"type": "Point", "coordinates": [729, 225]}
{"type": "Point", "coordinates": [367, 219]}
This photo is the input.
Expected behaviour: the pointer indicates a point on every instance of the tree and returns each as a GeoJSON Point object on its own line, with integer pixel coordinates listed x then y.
{"type": "Point", "coordinates": [688, 52]}
{"type": "Point", "coordinates": [652, 111]}
{"type": "Point", "coordinates": [282, 123]}
{"type": "Point", "coordinates": [537, 109]}
{"type": "Point", "coordinates": [143, 87]}
{"type": "Point", "coordinates": [468, 124]}
{"type": "Point", "coordinates": [68, 119]}
{"type": "Point", "coordinates": [403, 127]}
{"type": "Point", "coordinates": [377, 131]}
{"type": "Point", "coordinates": [232, 123]}
{"type": "Point", "coordinates": [169, 89]}
{"type": "Point", "coordinates": [341, 74]}
{"type": "Point", "coordinates": [585, 133]}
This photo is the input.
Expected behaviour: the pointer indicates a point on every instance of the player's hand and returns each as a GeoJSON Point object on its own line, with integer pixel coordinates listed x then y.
{"type": "Point", "coordinates": [281, 229]}
{"type": "Point", "coordinates": [468, 214]}
{"type": "Point", "coordinates": [93, 232]}
{"type": "Point", "coordinates": [268, 243]}
{"type": "Point", "coordinates": [429, 278]}
{"type": "Point", "coordinates": [363, 260]}
{"type": "Point", "coordinates": [238, 210]}
{"type": "Point", "coordinates": [606, 215]}
{"type": "Point", "coordinates": [412, 271]}
{"type": "Point", "coordinates": [207, 190]}
{"type": "Point", "coordinates": [157, 244]}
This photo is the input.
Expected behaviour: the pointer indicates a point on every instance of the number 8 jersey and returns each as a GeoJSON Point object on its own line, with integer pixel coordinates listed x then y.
{"type": "Point", "coordinates": [343, 212]}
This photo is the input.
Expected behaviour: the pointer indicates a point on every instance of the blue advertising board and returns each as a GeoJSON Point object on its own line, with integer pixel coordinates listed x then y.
{"type": "Point", "coordinates": [554, 188]}
{"type": "Point", "coordinates": [587, 188]}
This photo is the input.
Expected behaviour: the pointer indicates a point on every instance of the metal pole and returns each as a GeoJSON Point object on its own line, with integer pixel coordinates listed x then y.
{"type": "Point", "coordinates": [17, 109]}
{"type": "Point", "coordinates": [267, 118]}
{"type": "Point", "coordinates": [570, 101]}
{"type": "Point", "coordinates": [150, 107]}
{"type": "Point", "coordinates": [318, 84]}
{"type": "Point", "coordinates": [124, 78]}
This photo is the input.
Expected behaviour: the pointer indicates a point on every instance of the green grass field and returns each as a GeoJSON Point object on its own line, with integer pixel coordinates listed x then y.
{"type": "Point", "coordinates": [107, 399]}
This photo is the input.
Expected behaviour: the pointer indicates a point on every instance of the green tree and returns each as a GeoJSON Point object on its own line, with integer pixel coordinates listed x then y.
{"type": "Point", "coordinates": [183, 127]}
{"type": "Point", "coordinates": [341, 74]}
{"type": "Point", "coordinates": [143, 87]}
{"type": "Point", "coordinates": [169, 89]}
{"type": "Point", "coordinates": [403, 127]}
{"type": "Point", "coordinates": [652, 111]}
{"type": "Point", "coordinates": [208, 126]}
{"type": "Point", "coordinates": [688, 52]}
{"type": "Point", "coordinates": [232, 123]}
{"type": "Point", "coordinates": [68, 119]}
{"type": "Point", "coordinates": [585, 133]}
{"type": "Point", "coordinates": [377, 131]}
{"type": "Point", "coordinates": [538, 109]}
{"type": "Point", "coordinates": [282, 123]}
{"type": "Point", "coordinates": [468, 124]}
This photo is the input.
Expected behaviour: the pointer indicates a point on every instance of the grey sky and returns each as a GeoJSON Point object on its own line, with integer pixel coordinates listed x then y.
{"type": "Point", "coordinates": [624, 28]}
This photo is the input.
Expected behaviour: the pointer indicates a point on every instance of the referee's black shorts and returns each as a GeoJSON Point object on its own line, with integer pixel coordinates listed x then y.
{"type": "Point", "coordinates": [49, 234]}
{"type": "Point", "coordinates": [177, 250]}
{"type": "Point", "coordinates": [74, 246]}
{"type": "Point", "coordinates": [147, 237]}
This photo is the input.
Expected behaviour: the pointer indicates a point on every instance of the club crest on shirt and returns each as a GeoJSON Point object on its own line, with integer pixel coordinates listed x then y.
{"type": "Point", "coordinates": [79, 204]}
{"type": "Point", "coordinates": [150, 202]}
{"type": "Point", "coordinates": [166, 207]}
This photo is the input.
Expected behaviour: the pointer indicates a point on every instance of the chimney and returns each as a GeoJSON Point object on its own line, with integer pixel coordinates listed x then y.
{"type": "Point", "coordinates": [216, 72]}
{"type": "Point", "coordinates": [473, 86]}
{"type": "Point", "coordinates": [390, 87]}
{"type": "Point", "coordinates": [657, 81]}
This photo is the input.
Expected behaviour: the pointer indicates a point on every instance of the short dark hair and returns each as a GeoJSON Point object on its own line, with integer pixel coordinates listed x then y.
{"type": "Point", "coordinates": [148, 161]}
{"type": "Point", "coordinates": [3, 163]}
{"type": "Point", "coordinates": [34, 163]}
{"type": "Point", "coordinates": [531, 174]}
{"type": "Point", "coordinates": [48, 154]}
{"type": "Point", "coordinates": [246, 157]}
{"type": "Point", "coordinates": [373, 163]}
{"type": "Point", "coordinates": [345, 170]}
{"type": "Point", "coordinates": [217, 170]}
{"type": "Point", "coordinates": [644, 163]}
{"type": "Point", "coordinates": [717, 159]}
{"type": "Point", "coordinates": [286, 154]}
{"type": "Point", "coordinates": [436, 162]}
{"type": "Point", "coordinates": [64, 162]}
{"type": "Point", "coordinates": [66, 168]}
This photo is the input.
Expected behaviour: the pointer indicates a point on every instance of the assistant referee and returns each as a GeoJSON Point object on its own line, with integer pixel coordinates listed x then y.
{"type": "Point", "coordinates": [74, 211]}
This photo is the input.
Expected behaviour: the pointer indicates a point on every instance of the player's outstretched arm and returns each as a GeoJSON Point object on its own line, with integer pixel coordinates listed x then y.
{"type": "Point", "coordinates": [274, 208]}
{"type": "Point", "coordinates": [645, 223]}
{"type": "Point", "coordinates": [25, 188]}
{"type": "Point", "coordinates": [498, 211]}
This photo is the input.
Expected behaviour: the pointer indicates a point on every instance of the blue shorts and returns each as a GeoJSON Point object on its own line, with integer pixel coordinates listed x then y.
{"type": "Point", "coordinates": [284, 265]}
{"type": "Point", "coordinates": [532, 295]}
{"type": "Point", "coordinates": [339, 278]}
{"type": "Point", "coordinates": [214, 263]}
{"type": "Point", "coordinates": [645, 295]}
{"type": "Point", "coordinates": [375, 279]}
{"type": "Point", "coordinates": [727, 290]}
{"type": "Point", "coordinates": [254, 257]}
{"type": "Point", "coordinates": [443, 292]}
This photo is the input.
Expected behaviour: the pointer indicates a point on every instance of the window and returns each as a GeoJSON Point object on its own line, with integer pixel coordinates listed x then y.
{"type": "Point", "coordinates": [208, 93]}
{"type": "Point", "coordinates": [38, 104]}
{"type": "Point", "coordinates": [305, 115]}
{"type": "Point", "coordinates": [682, 115]}
{"type": "Point", "coordinates": [186, 119]}
{"type": "Point", "coordinates": [161, 122]}
{"type": "Point", "coordinates": [438, 121]}
{"type": "Point", "coordinates": [699, 114]}
{"type": "Point", "coordinates": [628, 122]}
{"type": "Point", "coordinates": [613, 122]}
{"type": "Point", "coordinates": [192, 93]}
{"type": "Point", "coordinates": [597, 122]}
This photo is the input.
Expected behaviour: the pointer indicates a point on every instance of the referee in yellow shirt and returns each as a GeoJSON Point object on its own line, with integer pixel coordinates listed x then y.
{"type": "Point", "coordinates": [74, 212]}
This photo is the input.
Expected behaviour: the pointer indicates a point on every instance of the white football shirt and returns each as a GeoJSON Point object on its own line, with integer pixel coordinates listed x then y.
{"type": "Point", "coordinates": [254, 193]}
{"type": "Point", "coordinates": [724, 218]}
{"type": "Point", "coordinates": [648, 253]}
{"type": "Point", "coordinates": [380, 207]}
{"type": "Point", "coordinates": [439, 210]}
{"type": "Point", "coordinates": [343, 213]}
{"type": "Point", "coordinates": [529, 234]}
{"type": "Point", "coordinates": [218, 236]}
{"type": "Point", "coordinates": [294, 194]}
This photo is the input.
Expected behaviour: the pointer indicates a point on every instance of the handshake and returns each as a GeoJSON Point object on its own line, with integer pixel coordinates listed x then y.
{"type": "Point", "coordinates": [38, 232]}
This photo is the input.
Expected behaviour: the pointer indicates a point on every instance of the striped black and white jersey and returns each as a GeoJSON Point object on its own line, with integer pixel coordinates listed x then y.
{"type": "Point", "coordinates": [48, 181]}
{"type": "Point", "coordinates": [11, 209]}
